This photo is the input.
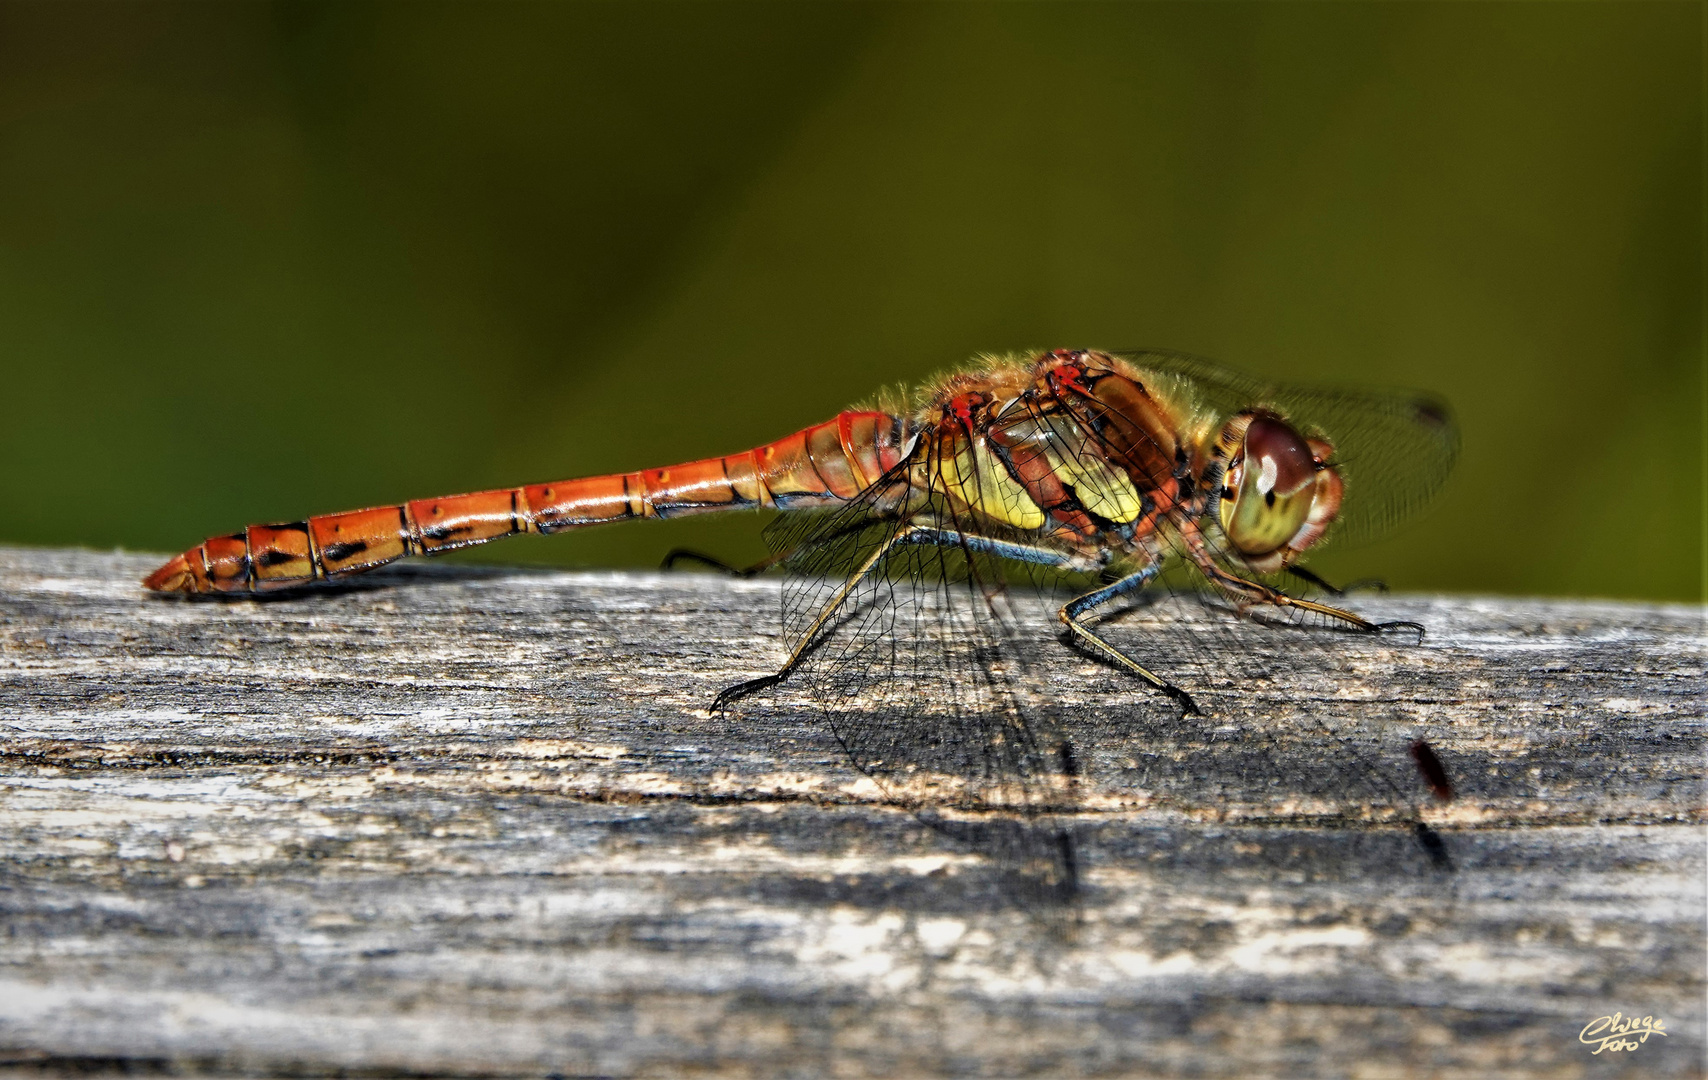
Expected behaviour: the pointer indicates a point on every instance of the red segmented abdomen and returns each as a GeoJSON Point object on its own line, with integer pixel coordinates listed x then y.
{"type": "Point", "coordinates": [822, 465]}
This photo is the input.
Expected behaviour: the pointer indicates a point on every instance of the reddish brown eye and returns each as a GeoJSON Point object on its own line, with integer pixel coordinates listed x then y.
{"type": "Point", "coordinates": [1278, 495]}
{"type": "Point", "coordinates": [1278, 457]}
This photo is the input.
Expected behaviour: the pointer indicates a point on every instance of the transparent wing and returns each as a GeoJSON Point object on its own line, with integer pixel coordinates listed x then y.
{"type": "Point", "coordinates": [922, 667]}
{"type": "Point", "coordinates": [1394, 448]}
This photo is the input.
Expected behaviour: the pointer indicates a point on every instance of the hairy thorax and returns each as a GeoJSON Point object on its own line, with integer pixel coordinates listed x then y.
{"type": "Point", "coordinates": [1078, 447]}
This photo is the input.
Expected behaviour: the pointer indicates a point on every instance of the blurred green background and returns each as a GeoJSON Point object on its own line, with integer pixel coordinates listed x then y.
{"type": "Point", "coordinates": [258, 261]}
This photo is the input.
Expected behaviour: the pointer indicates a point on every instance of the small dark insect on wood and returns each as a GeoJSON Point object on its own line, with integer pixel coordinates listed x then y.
{"type": "Point", "coordinates": [1434, 773]}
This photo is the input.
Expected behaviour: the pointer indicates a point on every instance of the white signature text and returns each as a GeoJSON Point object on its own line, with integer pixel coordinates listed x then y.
{"type": "Point", "coordinates": [1616, 1033]}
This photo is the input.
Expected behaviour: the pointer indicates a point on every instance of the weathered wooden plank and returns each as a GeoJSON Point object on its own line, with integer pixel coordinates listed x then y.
{"type": "Point", "coordinates": [479, 821]}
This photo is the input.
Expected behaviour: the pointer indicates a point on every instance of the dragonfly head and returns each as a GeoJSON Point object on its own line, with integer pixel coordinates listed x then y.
{"type": "Point", "coordinates": [1279, 492]}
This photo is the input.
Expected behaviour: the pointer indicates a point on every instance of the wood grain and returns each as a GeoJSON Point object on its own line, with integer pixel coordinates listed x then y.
{"type": "Point", "coordinates": [478, 822]}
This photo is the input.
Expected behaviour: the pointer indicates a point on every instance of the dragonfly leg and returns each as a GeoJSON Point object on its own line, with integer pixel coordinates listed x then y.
{"type": "Point", "coordinates": [1310, 576]}
{"type": "Point", "coordinates": [912, 534]}
{"type": "Point", "coordinates": [1073, 612]}
{"type": "Point", "coordinates": [985, 545]}
{"type": "Point", "coordinates": [1253, 592]}
{"type": "Point", "coordinates": [677, 555]}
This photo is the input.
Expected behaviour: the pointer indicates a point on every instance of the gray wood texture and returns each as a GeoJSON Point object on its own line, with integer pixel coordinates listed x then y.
{"type": "Point", "coordinates": [479, 822]}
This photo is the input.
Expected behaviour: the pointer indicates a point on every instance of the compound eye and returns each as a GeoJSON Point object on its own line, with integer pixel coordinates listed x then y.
{"type": "Point", "coordinates": [1273, 484]}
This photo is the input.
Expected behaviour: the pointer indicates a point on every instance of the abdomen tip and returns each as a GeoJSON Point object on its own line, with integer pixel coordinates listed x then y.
{"type": "Point", "coordinates": [175, 576]}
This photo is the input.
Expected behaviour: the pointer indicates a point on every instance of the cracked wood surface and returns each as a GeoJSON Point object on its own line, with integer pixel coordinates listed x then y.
{"type": "Point", "coordinates": [473, 821]}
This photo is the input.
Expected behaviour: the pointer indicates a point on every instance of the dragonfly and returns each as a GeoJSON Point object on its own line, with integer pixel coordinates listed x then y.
{"type": "Point", "coordinates": [913, 531]}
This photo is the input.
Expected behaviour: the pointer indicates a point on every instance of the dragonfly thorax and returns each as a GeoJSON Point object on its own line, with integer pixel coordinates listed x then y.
{"type": "Point", "coordinates": [1064, 447]}
{"type": "Point", "coordinates": [1098, 454]}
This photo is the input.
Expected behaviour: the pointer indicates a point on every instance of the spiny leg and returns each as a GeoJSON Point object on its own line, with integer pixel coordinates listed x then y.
{"type": "Point", "coordinates": [1072, 615]}
{"type": "Point", "coordinates": [1277, 598]}
{"type": "Point", "coordinates": [677, 555]}
{"type": "Point", "coordinates": [912, 534]}
{"type": "Point", "coordinates": [1310, 576]}
{"type": "Point", "coordinates": [1253, 592]}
